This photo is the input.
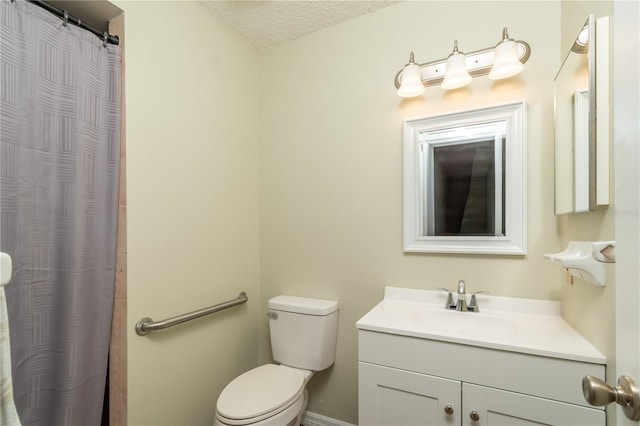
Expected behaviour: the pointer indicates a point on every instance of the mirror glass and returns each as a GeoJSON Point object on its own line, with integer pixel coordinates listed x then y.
{"type": "Point", "coordinates": [581, 144]}
{"type": "Point", "coordinates": [464, 190]}
{"type": "Point", "coordinates": [464, 182]}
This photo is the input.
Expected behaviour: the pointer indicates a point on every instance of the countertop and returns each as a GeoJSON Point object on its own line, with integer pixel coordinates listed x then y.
{"type": "Point", "coordinates": [529, 326]}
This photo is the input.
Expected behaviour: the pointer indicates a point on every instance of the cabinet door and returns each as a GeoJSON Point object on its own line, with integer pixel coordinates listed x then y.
{"type": "Point", "coordinates": [501, 408]}
{"type": "Point", "coordinates": [392, 397]}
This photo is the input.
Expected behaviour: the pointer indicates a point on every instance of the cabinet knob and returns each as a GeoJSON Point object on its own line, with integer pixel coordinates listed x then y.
{"type": "Point", "coordinates": [474, 416]}
{"type": "Point", "coordinates": [448, 409]}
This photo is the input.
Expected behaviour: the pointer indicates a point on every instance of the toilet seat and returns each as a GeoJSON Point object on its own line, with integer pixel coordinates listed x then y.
{"type": "Point", "coordinates": [261, 393]}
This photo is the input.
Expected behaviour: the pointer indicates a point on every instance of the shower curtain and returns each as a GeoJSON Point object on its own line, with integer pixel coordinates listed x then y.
{"type": "Point", "coordinates": [59, 165]}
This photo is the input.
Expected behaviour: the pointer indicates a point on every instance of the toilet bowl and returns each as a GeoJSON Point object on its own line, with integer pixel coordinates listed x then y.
{"type": "Point", "coordinates": [270, 395]}
{"type": "Point", "coordinates": [303, 335]}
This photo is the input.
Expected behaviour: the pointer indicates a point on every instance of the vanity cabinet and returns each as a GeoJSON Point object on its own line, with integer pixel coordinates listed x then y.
{"type": "Point", "coordinates": [412, 381]}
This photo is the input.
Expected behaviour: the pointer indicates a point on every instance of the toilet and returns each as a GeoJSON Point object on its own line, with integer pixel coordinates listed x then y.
{"type": "Point", "coordinates": [303, 340]}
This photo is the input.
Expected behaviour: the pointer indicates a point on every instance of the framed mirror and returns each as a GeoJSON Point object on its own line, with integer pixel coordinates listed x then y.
{"type": "Point", "coordinates": [581, 105]}
{"type": "Point", "coordinates": [465, 182]}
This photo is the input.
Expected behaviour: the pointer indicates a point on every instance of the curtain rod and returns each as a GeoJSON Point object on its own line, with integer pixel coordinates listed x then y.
{"type": "Point", "coordinates": [111, 39]}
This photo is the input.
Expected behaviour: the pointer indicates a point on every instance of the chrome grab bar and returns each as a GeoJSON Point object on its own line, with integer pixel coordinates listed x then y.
{"type": "Point", "coordinates": [146, 325]}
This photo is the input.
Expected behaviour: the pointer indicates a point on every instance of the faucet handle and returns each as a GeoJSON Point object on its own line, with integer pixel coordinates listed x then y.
{"type": "Point", "coordinates": [473, 304]}
{"type": "Point", "coordinates": [449, 303]}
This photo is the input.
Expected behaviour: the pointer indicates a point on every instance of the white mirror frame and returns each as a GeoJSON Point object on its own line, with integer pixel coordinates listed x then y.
{"type": "Point", "coordinates": [515, 240]}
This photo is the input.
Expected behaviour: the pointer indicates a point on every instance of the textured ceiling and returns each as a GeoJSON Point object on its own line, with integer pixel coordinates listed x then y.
{"type": "Point", "coordinates": [264, 24]}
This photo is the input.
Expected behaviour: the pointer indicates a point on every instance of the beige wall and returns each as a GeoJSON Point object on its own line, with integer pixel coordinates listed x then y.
{"type": "Point", "coordinates": [311, 129]}
{"type": "Point", "coordinates": [331, 165]}
{"type": "Point", "coordinates": [192, 182]}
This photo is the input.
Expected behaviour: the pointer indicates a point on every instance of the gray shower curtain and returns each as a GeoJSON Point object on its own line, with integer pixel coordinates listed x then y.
{"type": "Point", "coordinates": [59, 168]}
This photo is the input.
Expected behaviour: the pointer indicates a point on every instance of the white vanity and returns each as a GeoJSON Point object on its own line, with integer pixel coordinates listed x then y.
{"type": "Point", "coordinates": [515, 362]}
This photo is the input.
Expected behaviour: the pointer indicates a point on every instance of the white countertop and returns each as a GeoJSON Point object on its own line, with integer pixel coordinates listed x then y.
{"type": "Point", "coordinates": [511, 324]}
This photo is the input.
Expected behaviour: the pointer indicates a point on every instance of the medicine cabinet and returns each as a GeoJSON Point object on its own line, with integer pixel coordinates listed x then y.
{"type": "Point", "coordinates": [582, 122]}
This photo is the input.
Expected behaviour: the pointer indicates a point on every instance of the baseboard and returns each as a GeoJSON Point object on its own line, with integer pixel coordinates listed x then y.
{"type": "Point", "coordinates": [313, 419]}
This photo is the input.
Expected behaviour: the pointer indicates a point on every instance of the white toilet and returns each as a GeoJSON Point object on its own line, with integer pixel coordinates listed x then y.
{"type": "Point", "coordinates": [303, 341]}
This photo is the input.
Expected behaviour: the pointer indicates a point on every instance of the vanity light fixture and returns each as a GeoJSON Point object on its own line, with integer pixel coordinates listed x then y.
{"type": "Point", "coordinates": [411, 82]}
{"type": "Point", "coordinates": [506, 62]}
{"type": "Point", "coordinates": [581, 45]}
{"type": "Point", "coordinates": [457, 74]}
{"type": "Point", "coordinates": [502, 61]}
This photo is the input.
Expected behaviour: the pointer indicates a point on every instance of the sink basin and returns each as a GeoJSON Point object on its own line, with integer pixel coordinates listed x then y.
{"type": "Point", "coordinates": [512, 324]}
{"type": "Point", "coordinates": [443, 321]}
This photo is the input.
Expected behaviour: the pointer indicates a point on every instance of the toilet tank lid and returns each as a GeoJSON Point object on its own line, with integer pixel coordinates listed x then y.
{"type": "Point", "coordinates": [303, 305]}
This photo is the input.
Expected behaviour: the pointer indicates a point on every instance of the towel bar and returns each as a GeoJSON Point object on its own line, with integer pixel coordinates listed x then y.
{"type": "Point", "coordinates": [147, 325]}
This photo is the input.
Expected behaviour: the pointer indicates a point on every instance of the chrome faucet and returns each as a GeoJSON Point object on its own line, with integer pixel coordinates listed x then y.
{"type": "Point", "coordinates": [461, 304]}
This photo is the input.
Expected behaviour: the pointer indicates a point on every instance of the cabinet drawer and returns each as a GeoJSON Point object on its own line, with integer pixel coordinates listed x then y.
{"type": "Point", "coordinates": [544, 377]}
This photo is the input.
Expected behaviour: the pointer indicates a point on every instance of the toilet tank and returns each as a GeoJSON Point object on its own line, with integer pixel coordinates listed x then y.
{"type": "Point", "coordinates": [303, 331]}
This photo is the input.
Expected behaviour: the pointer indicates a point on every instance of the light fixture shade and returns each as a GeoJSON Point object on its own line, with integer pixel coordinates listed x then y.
{"type": "Point", "coordinates": [506, 62]}
{"type": "Point", "coordinates": [411, 84]}
{"type": "Point", "coordinates": [456, 72]}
